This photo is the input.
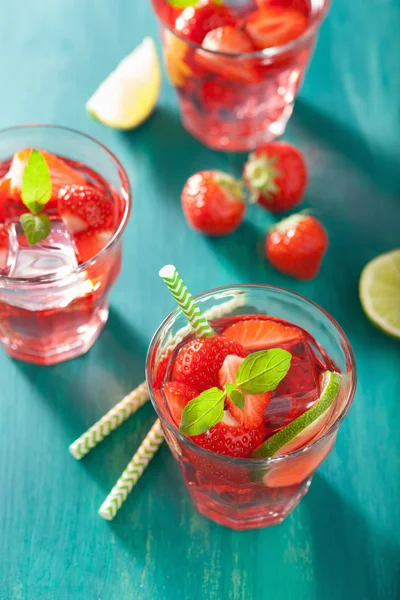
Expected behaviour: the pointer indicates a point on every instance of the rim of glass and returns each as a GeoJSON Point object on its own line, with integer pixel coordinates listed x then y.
{"type": "Point", "coordinates": [51, 277]}
{"type": "Point", "coordinates": [314, 22]}
{"type": "Point", "coordinates": [345, 344]}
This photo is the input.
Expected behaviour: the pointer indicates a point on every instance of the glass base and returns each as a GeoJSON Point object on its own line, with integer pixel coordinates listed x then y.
{"type": "Point", "coordinates": [244, 518]}
{"type": "Point", "coordinates": [59, 350]}
{"type": "Point", "coordinates": [235, 136]}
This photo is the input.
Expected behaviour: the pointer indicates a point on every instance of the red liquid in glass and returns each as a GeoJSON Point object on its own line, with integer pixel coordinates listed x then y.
{"type": "Point", "coordinates": [234, 493]}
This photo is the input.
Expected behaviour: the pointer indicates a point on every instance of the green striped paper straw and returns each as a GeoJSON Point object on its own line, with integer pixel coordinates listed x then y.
{"type": "Point", "coordinates": [132, 473]}
{"type": "Point", "coordinates": [183, 297]}
{"type": "Point", "coordinates": [133, 401]}
{"type": "Point", "coordinates": [113, 419]}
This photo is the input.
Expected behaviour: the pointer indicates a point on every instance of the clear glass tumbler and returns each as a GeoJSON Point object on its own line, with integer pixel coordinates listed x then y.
{"type": "Point", "coordinates": [237, 102]}
{"type": "Point", "coordinates": [50, 318]}
{"type": "Point", "coordinates": [251, 493]}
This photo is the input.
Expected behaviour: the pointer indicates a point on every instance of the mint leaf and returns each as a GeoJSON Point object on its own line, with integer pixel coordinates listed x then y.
{"type": "Point", "coordinates": [203, 412]}
{"type": "Point", "coordinates": [235, 395]}
{"type": "Point", "coordinates": [36, 227]}
{"type": "Point", "coordinates": [263, 371]}
{"type": "Point", "coordinates": [186, 3]}
{"type": "Point", "coordinates": [36, 183]}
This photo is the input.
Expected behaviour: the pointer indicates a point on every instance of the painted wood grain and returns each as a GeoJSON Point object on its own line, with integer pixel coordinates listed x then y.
{"type": "Point", "coordinates": [343, 541]}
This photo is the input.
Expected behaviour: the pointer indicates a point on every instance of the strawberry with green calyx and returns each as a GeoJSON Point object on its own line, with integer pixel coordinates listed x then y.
{"type": "Point", "coordinates": [297, 245]}
{"type": "Point", "coordinates": [258, 374]}
{"type": "Point", "coordinates": [213, 203]}
{"type": "Point", "coordinates": [276, 175]}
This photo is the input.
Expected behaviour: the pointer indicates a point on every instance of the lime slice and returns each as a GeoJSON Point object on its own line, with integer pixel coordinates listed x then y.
{"type": "Point", "coordinates": [303, 429]}
{"type": "Point", "coordinates": [380, 292]}
{"type": "Point", "coordinates": [129, 94]}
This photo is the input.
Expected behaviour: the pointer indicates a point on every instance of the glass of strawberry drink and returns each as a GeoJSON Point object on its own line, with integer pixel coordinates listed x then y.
{"type": "Point", "coordinates": [237, 68]}
{"type": "Point", "coordinates": [54, 292]}
{"type": "Point", "coordinates": [256, 454]}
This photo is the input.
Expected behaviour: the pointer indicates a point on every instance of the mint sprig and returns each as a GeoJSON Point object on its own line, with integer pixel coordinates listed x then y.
{"type": "Point", "coordinates": [186, 3]}
{"type": "Point", "coordinates": [35, 193]}
{"type": "Point", "coordinates": [259, 373]}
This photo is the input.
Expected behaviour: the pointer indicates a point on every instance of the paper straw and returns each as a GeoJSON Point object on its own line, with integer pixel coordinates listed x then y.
{"type": "Point", "coordinates": [133, 401]}
{"type": "Point", "coordinates": [132, 473]}
{"type": "Point", "coordinates": [183, 297]}
{"type": "Point", "coordinates": [113, 419]}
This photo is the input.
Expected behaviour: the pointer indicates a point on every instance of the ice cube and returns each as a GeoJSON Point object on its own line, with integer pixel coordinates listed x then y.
{"type": "Point", "coordinates": [298, 391]}
{"type": "Point", "coordinates": [55, 254]}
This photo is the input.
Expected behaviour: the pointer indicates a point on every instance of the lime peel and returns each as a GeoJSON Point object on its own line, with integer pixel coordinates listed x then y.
{"type": "Point", "coordinates": [380, 292]}
{"type": "Point", "coordinates": [307, 426]}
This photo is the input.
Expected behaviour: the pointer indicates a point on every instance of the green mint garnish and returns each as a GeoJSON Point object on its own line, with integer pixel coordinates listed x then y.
{"type": "Point", "coordinates": [35, 193]}
{"type": "Point", "coordinates": [235, 395]}
{"type": "Point", "coordinates": [186, 3]}
{"type": "Point", "coordinates": [259, 373]}
{"type": "Point", "coordinates": [36, 227]}
{"type": "Point", "coordinates": [36, 183]}
{"type": "Point", "coordinates": [203, 412]}
{"type": "Point", "coordinates": [263, 371]}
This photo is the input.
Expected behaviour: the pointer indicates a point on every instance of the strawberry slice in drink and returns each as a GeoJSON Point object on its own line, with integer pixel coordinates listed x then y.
{"type": "Point", "coordinates": [196, 21]}
{"type": "Point", "coordinates": [261, 334]}
{"type": "Point", "coordinates": [177, 395]}
{"type": "Point", "coordinates": [300, 5]}
{"type": "Point", "coordinates": [90, 216]}
{"type": "Point", "coordinates": [4, 246]}
{"type": "Point", "coordinates": [61, 174]}
{"type": "Point", "coordinates": [229, 40]}
{"type": "Point", "coordinates": [275, 26]}
{"type": "Point", "coordinates": [229, 438]}
{"type": "Point", "coordinates": [252, 414]}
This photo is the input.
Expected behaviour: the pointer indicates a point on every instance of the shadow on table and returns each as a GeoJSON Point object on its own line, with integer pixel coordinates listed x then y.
{"type": "Point", "coordinates": [80, 391]}
{"type": "Point", "coordinates": [173, 154]}
{"type": "Point", "coordinates": [347, 553]}
{"type": "Point", "coordinates": [375, 161]}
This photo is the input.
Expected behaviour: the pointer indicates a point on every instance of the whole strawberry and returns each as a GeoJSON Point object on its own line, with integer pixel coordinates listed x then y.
{"type": "Point", "coordinates": [296, 246]}
{"type": "Point", "coordinates": [198, 362]}
{"type": "Point", "coordinates": [277, 176]}
{"type": "Point", "coordinates": [196, 21]}
{"type": "Point", "coordinates": [213, 203]}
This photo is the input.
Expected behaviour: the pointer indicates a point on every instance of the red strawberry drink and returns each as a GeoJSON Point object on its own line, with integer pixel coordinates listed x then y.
{"type": "Point", "coordinates": [64, 202]}
{"type": "Point", "coordinates": [237, 66]}
{"type": "Point", "coordinates": [252, 411]}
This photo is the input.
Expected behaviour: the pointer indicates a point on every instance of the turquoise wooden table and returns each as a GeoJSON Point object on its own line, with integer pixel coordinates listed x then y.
{"type": "Point", "coordinates": [343, 541]}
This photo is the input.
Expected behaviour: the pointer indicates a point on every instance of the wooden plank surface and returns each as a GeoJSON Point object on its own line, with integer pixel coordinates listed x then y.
{"type": "Point", "coordinates": [343, 540]}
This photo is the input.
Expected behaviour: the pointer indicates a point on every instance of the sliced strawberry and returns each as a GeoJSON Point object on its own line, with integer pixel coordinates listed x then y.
{"type": "Point", "coordinates": [198, 362]}
{"type": "Point", "coordinates": [4, 243]}
{"type": "Point", "coordinates": [196, 21]}
{"type": "Point", "coordinates": [4, 198]}
{"type": "Point", "coordinates": [301, 5]}
{"type": "Point", "coordinates": [261, 334]}
{"type": "Point", "coordinates": [252, 414]}
{"type": "Point", "coordinates": [177, 396]}
{"type": "Point", "coordinates": [229, 40]}
{"type": "Point", "coordinates": [61, 174]}
{"type": "Point", "coordinates": [90, 216]}
{"type": "Point", "coordinates": [230, 439]}
{"type": "Point", "coordinates": [270, 27]}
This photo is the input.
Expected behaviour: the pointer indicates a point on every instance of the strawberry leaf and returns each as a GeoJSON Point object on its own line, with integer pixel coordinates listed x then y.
{"type": "Point", "coordinates": [263, 371]}
{"type": "Point", "coordinates": [36, 227]}
{"type": "Point", "coordinates": [36, 183]}
{"type": "Point", "coordinates": [202, 413]}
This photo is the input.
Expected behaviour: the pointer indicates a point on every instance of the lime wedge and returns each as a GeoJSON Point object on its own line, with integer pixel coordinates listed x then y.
{"type": "Point", "coordinates": [129, 94]}
{"type": "Point", "coordinates": [380, 292]}
{"type": "Point", "coordinates": [303, 429]}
